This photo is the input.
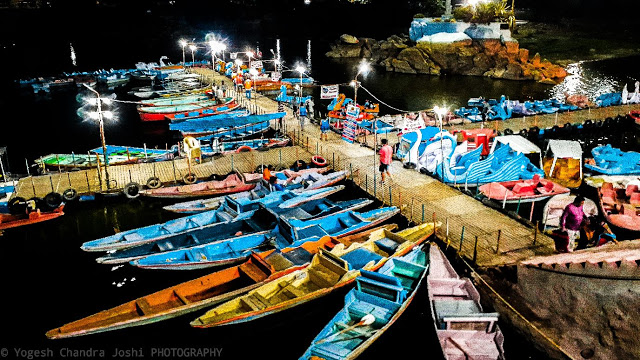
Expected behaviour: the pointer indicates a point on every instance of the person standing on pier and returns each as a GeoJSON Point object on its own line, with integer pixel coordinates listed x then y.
{"type": "Point", "coordinates": [303, 115]}
{"type": "Point", "coordinates": [385, 159]}
{"type": "Point", "coordinates": [247, 88]}
{"type": "Point", "coordinates": [324, 129]}
{"type": "Point", "coordinates": [572, 220]}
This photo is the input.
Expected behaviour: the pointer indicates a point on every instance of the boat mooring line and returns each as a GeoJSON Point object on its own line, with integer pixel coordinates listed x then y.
{"type": "Point", "coordinates": [385, 104]}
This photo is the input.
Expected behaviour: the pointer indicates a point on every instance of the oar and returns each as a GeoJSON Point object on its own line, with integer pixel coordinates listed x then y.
{"type": "Point", "coordinates": [366, 320]}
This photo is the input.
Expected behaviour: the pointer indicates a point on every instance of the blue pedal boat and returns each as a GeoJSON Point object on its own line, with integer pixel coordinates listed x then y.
{"type": "Point", "coordinates": [613, 161]}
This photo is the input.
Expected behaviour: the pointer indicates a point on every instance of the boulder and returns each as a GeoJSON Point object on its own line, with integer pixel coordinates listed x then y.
{"type": "Point", "coordinates": [523, 55]}
{"type": "Point", "coordinates": [344, 51]}
{"type": "Point", "coordinates": [402, 66]}
{"type": "Point", "coordinates": [481, 32]}
{"type": "Point", "coordinates": [348, 39]}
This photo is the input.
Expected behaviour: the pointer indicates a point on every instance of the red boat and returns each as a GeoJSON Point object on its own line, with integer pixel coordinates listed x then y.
{"type": "Point", "coordinates": [8, 221]}
{"type": "Point", "coordinates": [225, 105]}
{"type": "Point", "coordinates": [620, 205]}
{"type": "Point", "coordinates": [159, 113]}
{"type": "Point", "coordinates": [231, 184]}
{"type": "Point", "coordinates": [512, 192]}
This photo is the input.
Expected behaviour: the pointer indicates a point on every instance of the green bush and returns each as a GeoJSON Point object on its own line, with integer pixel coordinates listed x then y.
{"type": "Point", "coordinates": [419, 16]}
{"type": "Point", "coordinates": [483, 12]}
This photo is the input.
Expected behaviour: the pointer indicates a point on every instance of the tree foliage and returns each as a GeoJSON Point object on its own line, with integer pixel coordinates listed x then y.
{"type": "Point", "coordinates": [483, 12]}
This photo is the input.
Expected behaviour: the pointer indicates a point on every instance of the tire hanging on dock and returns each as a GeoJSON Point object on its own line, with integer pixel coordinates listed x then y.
{"type": "Point", "coordinates": [52, 201]}
{"type": "Point", "coordinates": [154, 182]}
{"type": "Point", "coordinates": [132, 190]}
{"type": "Point", "coordinates": [17, 205]}
{"type": "Point", "coordinates": [70, 195]}
{"type": "Point", "coordinates": [189, 179]}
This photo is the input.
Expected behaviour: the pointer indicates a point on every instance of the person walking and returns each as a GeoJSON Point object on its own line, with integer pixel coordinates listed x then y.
{"type": "Point", "coordinates": [247, 88]}
{"type": "Point", "coordinates": [324, 129]}
{"type": "Point", "coordinates": [385, 160]}
{"type": "Point", "coordinates": [303, 115]}
{"type": "Point", "coordinates": [572, 220]}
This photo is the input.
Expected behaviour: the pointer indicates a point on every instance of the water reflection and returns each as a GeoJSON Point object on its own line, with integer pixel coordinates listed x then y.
{"type": "Point", "coordinates": [583, 80]}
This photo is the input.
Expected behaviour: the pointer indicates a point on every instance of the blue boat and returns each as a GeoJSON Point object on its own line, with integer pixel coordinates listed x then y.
{"type": "Point", "coordinates": [501, 110]}
{"type": "Point", "coordinates": [6, 190]}
{"type": "Point", "coordinates": [217, 147]}
{"type": "Point", "coordinates": [230, 207]}
{"type": "Point", "coordinates": [412, 144]}
{"type": "Point", "coordinates": [287, 233]}
{"type": "Point", "coordinates": [283, 97]}
{"type": "Point", "coordinates": [609, 99]}
{"type": "Point", "coordinates": [503, 164]}
{"type": "Point", "coordinates": [376, 303]}
{"type": "Point", "coordinates": [229, 128]}
{"type": "Point", "coordinates": [298, 81]}
{"type": "Point", "coordinates": [613, 161]}
{"type": "Point", "coordinates": [381, 127]}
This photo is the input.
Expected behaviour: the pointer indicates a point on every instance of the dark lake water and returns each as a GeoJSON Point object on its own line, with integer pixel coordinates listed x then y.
{"type": "Point", "coordinates": [49, 281]}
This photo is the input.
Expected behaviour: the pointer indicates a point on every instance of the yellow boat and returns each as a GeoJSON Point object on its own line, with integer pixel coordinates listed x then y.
{"type": "Point", "coordinates": [562, 163]}
{"type": "Point", "coordinates": [329, 270]}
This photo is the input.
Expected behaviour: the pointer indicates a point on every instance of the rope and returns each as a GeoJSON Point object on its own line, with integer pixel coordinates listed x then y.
{"type": "Point", "coordinates": [516, 311]}
{"type": "Point", "coordinates": [385, 104]}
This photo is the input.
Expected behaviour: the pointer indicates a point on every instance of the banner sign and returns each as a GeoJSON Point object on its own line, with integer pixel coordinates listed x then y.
{"type": "Point", "coordinates": [256, 64]}
{"type": "Point", "coordinates": [329, 92]}
{"type": "Point", "coordinates": [349, 125]}
{"type": "Point", "coordinates": [408, 124]}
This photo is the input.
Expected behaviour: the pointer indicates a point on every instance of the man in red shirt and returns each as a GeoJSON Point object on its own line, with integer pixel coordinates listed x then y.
{"type": "Point", "coordinates": [385, 159]}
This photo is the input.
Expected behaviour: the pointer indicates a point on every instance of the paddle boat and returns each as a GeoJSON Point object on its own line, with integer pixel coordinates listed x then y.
{"type": "Point", "coordinates": [176, 100]}
{"type": "Point", "coordinates": [329, 271]}
{"type": "Point", "coordinates": [441, 145]}
{"type": "Point", "coordinates": [554, 208]}
{"type": "Point", "coordinates": [562, 163]}
{"type": "Point", "coordinates": [609, 99]}
{"type": "Point", "coordinates": [217, 147]}
{"type": "Point", "coordinates": [283, 97]}
{"type": "Point", "coordinates": [612, 161]}
{"type": "Point", "coordinates": [620, 205]}
{"type": "Point", "coordinates": [208, 290]}
{"type": "Point", "coordinates": [373, 306]}
{"type": "Point", "coordinates": [518, 108]}
{"type": "Point", "coordinates": [413, 143]}
{"type": "Point", "coordinates": [464, 330]}
{"type": "Point", "coordinates": [475, 137]}
{"type": "Point", "coordinates": [233, 183]}
{"type": "Point", "coordinates": [511, 192]}
{"type": "Point", "coordinates": [117, 155]}
{"type": "Point", "coordinates": [286, 233]}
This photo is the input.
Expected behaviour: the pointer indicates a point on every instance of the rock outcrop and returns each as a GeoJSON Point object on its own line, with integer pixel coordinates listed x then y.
{"type": "Point", "coordinates": [489, 57]}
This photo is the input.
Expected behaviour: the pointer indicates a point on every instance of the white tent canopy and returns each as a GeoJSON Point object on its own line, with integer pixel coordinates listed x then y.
{"type": "Point", "coordinates": [564, 149]}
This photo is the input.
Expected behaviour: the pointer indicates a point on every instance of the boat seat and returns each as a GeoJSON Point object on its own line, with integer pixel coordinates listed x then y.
{"type": "Point", "coordinates": [298, 256]}
{"type": "Point", "coordinates": [606, 186]}
{"type": "Point", "coordinates": [387, 245]}
{"type": "Point", "coordinates": [360, 257]}
{"type": "Point", "coordinates": [278, 261]}
{"type": "Point", "coordinates": [143, 307]}
{"type": "Point", "coordinates": [292, 292]}
{"type": "Point", "coordinates": [629, 210]}
{"type": "Point", "coordinates": [635, 199]}
{"type": "Point", "coordinates": [132, 237]}
{"type": "Point", "coordinates": [546, 189]}
{"type": "Point", "coordinates": [254, 301]}
{"type": "Point", "coordinates": [633, 188]}
{"type": "Point", "coordinates": [358, 309]}
{"type": "Point", "coordinates": [347, 222]}
{"type": "Point", "coordinates": [321, 278]}
{"type": "Point", "coordinates": [609, 196]}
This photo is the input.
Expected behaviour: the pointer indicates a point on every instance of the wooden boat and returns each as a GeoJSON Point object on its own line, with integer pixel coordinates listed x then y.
{"type": "Point", "coordinates": [176, 100]}
{"type": "Point", "coordinates": [260, 191]}
{"type": "Point", "coordinates": [511, 192]}
{"type": "Point", "coordinates": [225, 105]}
{"type": "Point", "coordinates": [612, 161]}
{"type": "Point", "coordinates": [233, 183]}
{"type": "Point", "coordinates": [620, 205]}
{"type": "Point", "coordinates": [8, 221]}
{"type": "Point", "coordinates": [329, 270]}
{"type": "Point", "coordinates": [158, 113]}
{"type": "Point", "coordinates": [205, 291]}
{"type": "Point", "coordinates": [203, 126]}
{"type": "Point", "coordinates": [230, 209]}
{"type": "Point", "coordinates": [562, 163]}
{"type": "Point", "coordinates": [554, 208]}
{"type": "Point", "coordinates": [217, 147]}
{"type": "Point", "coordinates": [117, 155]}
{"type": "Point", "coordinates": [287, 233]}
{"type": "Point", "coordinates": [383, 296]}
{"type": "Point", "coordinates": [464, 330]}
{"type": "Point", "coordinates": [313, 180]}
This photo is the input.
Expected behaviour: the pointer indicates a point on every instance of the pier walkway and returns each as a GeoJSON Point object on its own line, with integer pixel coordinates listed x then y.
{"type": "Point", "coordinates": [481, 234]}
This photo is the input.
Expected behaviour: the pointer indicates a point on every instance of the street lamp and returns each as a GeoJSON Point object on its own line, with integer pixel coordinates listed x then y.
{"type": "Point", "coordinates": [440, 112]}
{"type": "Point", "coordinates": [193, 49]}
{"type": "Point", "coordinates": [99, 115]}
{"type": "Point", "coordinates": [301, 70]}
{"type": "Point", "coordinates": [363, 68]}
{"type": "Point", "coordinates": [216, 47]}
{"type": "Point", "coordinates": [183, 43]}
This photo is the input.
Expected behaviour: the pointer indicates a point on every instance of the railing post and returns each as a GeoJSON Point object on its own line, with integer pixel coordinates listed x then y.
{"type": "Point", "coordinates": [390, 198]}
{"type": "Point", "coordinates": [423, 214]}
{"type": "Point", "coordinates": [535, 233]}
{"type": "Point", "coordinates": [461, 239]}
{"type": "Point", "coordinates": [533, 203]}
{"type": "Point", "coordinates": [475, 251]}
{"type": "Point", "coordinates": [498, 242]}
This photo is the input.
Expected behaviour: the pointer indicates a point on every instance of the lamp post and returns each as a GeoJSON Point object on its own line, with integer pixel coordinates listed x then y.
{"type": "Point", "coordinates": [440, 112]}
{"type": "Point", "coordinates": [301, 70]}
{"type": "Point", "coordinates": [363, 68]}
{"type": "Point", "coordinates": [100, 115]}
{"type": "Point", "coordinates": [183, 43]}
{"type": "Point", "coordinates": [193, 50]}
{"type": "Point", "coordinates": [216, 46]}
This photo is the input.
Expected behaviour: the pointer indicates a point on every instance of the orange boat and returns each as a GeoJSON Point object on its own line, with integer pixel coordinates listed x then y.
{"type": "Point", "coordinates": [208, 290]}
{"type": "Point", "coordinates": [8, 221]}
